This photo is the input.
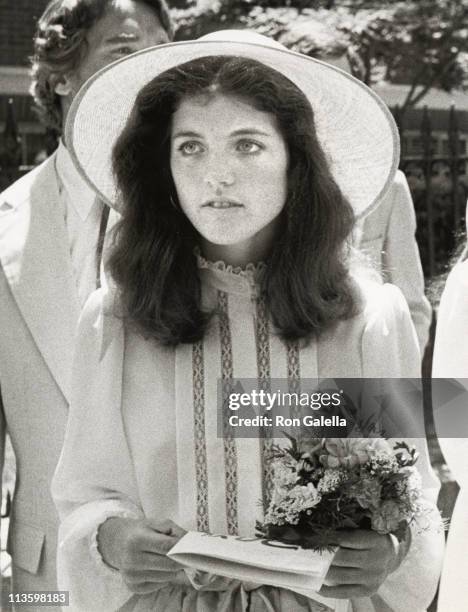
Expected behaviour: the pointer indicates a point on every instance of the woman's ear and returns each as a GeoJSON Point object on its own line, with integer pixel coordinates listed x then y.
{"type": "Point", "coordinates": [63, 86]}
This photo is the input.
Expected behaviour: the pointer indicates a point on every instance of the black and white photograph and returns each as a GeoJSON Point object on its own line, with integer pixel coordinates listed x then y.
{"type": "Point", "coordinates": [234, 305]}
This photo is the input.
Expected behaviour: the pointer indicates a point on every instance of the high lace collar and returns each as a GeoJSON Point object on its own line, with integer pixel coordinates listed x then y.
{"type": "Point", "coordinates": [245, 280]}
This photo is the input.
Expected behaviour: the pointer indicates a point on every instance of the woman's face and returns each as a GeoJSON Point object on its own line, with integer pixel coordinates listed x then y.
{"type": "Point", "coordinates": [229, 163]}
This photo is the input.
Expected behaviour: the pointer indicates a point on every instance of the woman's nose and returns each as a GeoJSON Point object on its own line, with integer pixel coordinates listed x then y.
{"type": "Point", "coordinates": [220, 179]}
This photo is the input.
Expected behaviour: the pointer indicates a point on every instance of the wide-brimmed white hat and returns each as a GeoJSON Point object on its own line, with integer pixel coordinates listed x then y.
{"type": "Point", "coordinates": [353, 125]}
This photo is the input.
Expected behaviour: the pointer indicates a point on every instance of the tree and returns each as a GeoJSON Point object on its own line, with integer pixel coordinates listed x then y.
{"type": "Point", "coordinates": [421, 43]}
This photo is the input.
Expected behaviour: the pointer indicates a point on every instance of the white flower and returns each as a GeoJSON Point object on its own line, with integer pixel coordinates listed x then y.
{"type": "Point", "coordinates": [381, 463]}
{"type": "Point", "coordinates": [387, 518]}
{"type": "Point", "coordinates": [345, 452]}
{"type": "Point", "coordinates": [305, 496]}
{"type": "Point", "coordinates": [411, 487]}
{"type": "Point", "coordinates": [287, 505]}
{"type": "Point", "coordinates": [331, 480]}
{"type": "Point", "coordinates": [285, 475]}
{"type": "Point", "coordinates": [380, 446]}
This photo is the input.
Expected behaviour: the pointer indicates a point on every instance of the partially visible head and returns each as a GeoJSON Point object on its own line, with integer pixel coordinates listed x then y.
{"type": "Point", "coordinates": [306, 280]}
{"type": "Point", "coordinates": [75, 38]}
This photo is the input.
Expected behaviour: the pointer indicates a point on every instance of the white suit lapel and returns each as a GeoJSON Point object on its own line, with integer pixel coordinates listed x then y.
{"type": "Point", "coordinates": [35, 256]}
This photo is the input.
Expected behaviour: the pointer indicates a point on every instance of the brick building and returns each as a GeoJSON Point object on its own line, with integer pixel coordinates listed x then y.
{"type": "Point", "coordinates": [17, 25]}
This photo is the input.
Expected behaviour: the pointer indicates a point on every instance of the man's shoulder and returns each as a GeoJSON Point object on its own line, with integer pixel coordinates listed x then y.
{"type": "Point", "coordinates": [396, 202]}
{"type": "Point", "coordinates": [398, 197]}
{"type": "Point", "coordinates": [21, 190]}
{"type": "Point", "coordinates": [16, 204]}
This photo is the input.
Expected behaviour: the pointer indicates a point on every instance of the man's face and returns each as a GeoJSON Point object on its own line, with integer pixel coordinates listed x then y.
{"type": "Point", "coordinates": [126, 26]}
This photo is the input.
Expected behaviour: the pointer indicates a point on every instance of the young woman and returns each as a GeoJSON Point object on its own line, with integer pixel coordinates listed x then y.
{"type": "Point", "coordinates": [451, 361]}
{"type": "Point", "coordinates": [238, 167]}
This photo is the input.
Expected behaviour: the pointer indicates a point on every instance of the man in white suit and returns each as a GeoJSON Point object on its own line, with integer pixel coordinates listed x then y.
{"type": "Point", "coordinates": [387, 236]}
{"type": "Point", "coordinates": [50, 226]}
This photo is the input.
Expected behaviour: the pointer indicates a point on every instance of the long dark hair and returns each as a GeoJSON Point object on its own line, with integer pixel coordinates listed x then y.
{"type": "Point", "coordinates": [307, 285]}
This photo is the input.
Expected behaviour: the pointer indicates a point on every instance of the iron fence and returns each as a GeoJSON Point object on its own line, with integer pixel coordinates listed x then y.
{"type": "Point", "coordinates": [435, 162]}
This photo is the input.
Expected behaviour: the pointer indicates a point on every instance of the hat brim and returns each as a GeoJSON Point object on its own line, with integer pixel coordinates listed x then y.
{"type": "Point", "coordinates": [353, 125]}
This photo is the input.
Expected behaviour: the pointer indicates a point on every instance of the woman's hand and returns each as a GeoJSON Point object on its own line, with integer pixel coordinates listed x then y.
{"type": "Point", "coordinates": [360, 566]}
{"type": "Point", "coordinates": [137, 548]}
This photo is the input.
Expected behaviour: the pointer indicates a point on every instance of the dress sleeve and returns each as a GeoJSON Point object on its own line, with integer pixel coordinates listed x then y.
{"type": "Point", "coordinates": [401, 260]}
{"type": "Point", "coordinates": [451, 341]}
{"type": "Point", "coordinates": [387, 235]}
{"type": "Point", "coordinates": [389, 341]}
{"type": "Point", "coordinates": [390, 350]}
{"type": "Point", "coordinates": [451, 420]}
{"type": "Point", "coordinates": [451, 361]}
{"type": "Point", "coordinates": [94, 478]}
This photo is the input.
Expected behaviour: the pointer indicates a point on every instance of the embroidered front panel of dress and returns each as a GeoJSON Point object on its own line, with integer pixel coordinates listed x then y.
{"type": "Point", "coordinates": [201, 470]}
{"type": "Point", "coordinates": [293, 366]}
{"type": "Point", "coordinates": [264, 383]}
{"type": "Point", "coordinates": [294, 373]}
{"type": "Point", "coordinates": [227, 375]}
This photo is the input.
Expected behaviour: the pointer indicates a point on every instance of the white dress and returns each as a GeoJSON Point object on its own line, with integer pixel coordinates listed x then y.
{"type": "Point", "coordinates": [142, 440]}
{"type": "Point", "coordinates": [451, 361]}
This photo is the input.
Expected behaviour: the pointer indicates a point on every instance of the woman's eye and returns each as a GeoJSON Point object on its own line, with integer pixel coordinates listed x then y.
{"type": "Point", "coordinates": [190, 148]}
{"type": "Point", "coordinates": [248, 146]}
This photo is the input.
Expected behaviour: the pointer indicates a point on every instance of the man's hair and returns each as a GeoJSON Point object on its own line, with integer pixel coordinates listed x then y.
{"type": "Point", "coordinates": [59, 44]}
{"type": "Point", "coordinates": [307, 286]}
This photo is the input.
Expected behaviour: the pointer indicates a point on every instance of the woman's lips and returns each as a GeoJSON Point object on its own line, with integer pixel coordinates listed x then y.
{"type": "Point", "coordinates": [222, 204]}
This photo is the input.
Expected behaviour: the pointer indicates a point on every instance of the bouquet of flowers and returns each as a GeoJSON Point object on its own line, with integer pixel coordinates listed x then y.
{"type": "Point", "coordinates": [323, 485]}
